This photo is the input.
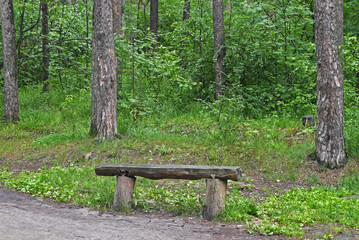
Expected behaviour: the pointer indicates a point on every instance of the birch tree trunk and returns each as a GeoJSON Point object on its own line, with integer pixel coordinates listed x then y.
{"type": "Point", "coordinates": [330, 144]}
{"type": "Point", "coordinates": [11, 95]}
{"type": "Point", "coordinates": [103, 79]}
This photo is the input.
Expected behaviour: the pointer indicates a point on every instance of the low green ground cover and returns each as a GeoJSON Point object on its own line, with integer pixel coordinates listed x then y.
{"type": "Point", "coordinates": [286, 213]}
{"type": "Point", "coordinates": [53, 136]}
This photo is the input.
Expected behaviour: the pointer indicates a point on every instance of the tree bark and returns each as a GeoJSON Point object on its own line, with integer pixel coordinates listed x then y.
{"type": "Point", "coordinates": [216, 192]}
{"type": "Point", "coordinates": [11, 95]}
{"type": "Point", "coordinates": [118, 7]}
{"type": "Point", "coordinates": [187, 9]}
{"type": "Point", "coordinates": [154, 21]}
{"type": "Point", "coordinates": [103, 80]}
{"type": "Point", "coordinates": [330, 143]}
{"type": "Point", "coordinates": [219, 45]}
{"type": "Point", "coordinates": [123, 193]}
{"type": "Point", "coordinates": [45, 49]}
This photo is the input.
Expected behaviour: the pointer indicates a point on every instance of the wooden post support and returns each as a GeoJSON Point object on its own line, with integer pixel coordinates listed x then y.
{"type": "Point", "coordinates": [215, 198]}
{"type": "Point", "coordinates": [123, 193]}
{"type": "Point", "coordinates": [308, 120]}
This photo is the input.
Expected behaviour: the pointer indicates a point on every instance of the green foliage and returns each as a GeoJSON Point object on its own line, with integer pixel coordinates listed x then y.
{"type": "Point", "coordinates": [83, 187]}
{"type": "Point", "coordinates": [352, 131]}
{"type": "Point", "coordinates": [166, 110]}
{"type": "Point", "coordinates": [181, 198]}
{"type": "Point", "coordinates": [351, 183]}
{"type": "Point", "coordinates": [288, 213]}
{"type": "Point", "coordinates": [79, 185]}
{"type": "Point", "coordinates": [69, 51]}
{"type": "Point", "coordinates": [284, 213]}
{"type": "Point", "coordinates": [270, 65]}
{"type": "Point", "coordinates": [239, 208]}
{"type": "Point", "coordinates": [62, 117]}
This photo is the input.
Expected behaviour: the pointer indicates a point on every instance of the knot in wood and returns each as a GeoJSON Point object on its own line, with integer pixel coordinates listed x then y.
{"type": "Point", "coordinates": [122, 172]}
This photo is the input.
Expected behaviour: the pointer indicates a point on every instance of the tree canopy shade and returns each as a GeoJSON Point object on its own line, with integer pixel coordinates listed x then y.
{"type": "Point", "coordinates": [11, 98]}
{"type": "Point", "coordinates": [330, 147]}
{"type": "Point", "coordinates": [103, 80]}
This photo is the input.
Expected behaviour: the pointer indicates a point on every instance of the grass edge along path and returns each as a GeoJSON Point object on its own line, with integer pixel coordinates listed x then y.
{"type": "Point", "coordinates": [284, 214]}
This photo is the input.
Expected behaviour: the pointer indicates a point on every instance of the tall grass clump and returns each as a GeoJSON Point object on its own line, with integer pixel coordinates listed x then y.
{"type": "Point", "coordinates": [56, 116]}
{"type": "Point", "coordinates": [352, 132]}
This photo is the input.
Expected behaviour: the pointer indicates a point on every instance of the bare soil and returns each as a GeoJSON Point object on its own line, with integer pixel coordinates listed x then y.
{"type": "Point", "coordinates": [25, 217]}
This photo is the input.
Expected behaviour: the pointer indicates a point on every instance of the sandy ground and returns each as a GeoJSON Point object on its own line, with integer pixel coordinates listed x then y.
{"type": "Point", "coordinates": [25, 217]}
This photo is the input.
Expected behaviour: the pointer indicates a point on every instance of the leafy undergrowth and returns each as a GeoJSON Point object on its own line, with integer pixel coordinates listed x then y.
{"type": "Point", "coordinates": [271, 150]}
{"type": "Point", "coordinates": [285, 213]}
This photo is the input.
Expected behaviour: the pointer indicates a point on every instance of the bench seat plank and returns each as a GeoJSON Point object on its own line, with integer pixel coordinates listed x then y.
{"type": "Point", "coordinates": [152, 171]}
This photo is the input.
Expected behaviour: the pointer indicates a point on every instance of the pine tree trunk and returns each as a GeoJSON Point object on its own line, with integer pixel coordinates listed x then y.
{"type": "Point", "coordinates": [219, 45]}
{"type": "Point", "coordinates": [103, 81]}
{"type": "Point", "coordinates": [45, 49]}
{"type": "Point", "coordinates": [118, 8]}
{"type": "Point", "coordinates": [330, 146]}
{"type": "Point", "coordinates": [187, 9]}
{"type": "Point", "coordinates": [154, 21]}
{"type": "Point", "coordinates": [11, 95]}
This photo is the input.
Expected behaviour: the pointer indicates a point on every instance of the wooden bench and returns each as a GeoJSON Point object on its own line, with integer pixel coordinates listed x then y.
{"type": "Point", "coordinates": [216, 183]}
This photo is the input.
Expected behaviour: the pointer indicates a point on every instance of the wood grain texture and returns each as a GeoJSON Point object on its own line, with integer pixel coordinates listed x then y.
{"type": "Point", "coordinates": [151, 171]}
{"type": "Point", "coordinates": [123, 193]}
{"type": "Point", "coordinates": [216, 193]}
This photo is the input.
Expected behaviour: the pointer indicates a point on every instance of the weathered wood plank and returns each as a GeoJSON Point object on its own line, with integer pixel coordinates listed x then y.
{"type": "Point", "coordinates": [152, 171]}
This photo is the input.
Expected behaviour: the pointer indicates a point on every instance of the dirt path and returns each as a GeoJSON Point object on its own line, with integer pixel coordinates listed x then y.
{"type": "Point", "coordinates": [25, 217]}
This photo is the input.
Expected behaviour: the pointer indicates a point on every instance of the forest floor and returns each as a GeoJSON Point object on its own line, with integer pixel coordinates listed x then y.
{"type": "Point", "coordinates": [25, 217]}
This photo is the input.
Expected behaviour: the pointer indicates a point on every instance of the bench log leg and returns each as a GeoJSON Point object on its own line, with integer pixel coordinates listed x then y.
{"type": "Point", "coordinates": [215, 198]}
{"type": "Point", "coordinates": [123, 193]}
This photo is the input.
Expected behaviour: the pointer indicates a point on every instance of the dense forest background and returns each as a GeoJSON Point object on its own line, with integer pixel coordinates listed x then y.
{"type": "Point", "coordinates": [168, 110]}
{"type": "Point", "coordinates": [270, 65]}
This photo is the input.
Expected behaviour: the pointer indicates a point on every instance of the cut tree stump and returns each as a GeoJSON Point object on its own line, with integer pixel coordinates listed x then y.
{"type": "Point", "coordinates": [216, 190]}
{"type": "Point", "coordinates": [123, 193]}
{"type": "Point", "coordinates": [215, 198]}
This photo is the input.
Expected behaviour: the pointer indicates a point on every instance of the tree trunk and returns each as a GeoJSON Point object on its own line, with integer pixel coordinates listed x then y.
{"type": "Point", "coordinates": [187, 9]}
{"type": "Point", "coordinates": [330, 143]}
{"type": "Point", "coordinates": [118, 8]}
{"type": "Point", "coordinates": [154, 21]}
{"type": "Point", "coordinates": [45, 49]}
{"type": "Point", "coordinates": [219, 45]}
{"type": "Point", "coordinates": [103, 81]}
{"type": "Point", "coordinates": [11, 94]}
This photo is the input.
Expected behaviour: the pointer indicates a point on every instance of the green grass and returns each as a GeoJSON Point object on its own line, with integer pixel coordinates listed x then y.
{"type": "Point", "coordinates": [285, 213]}
{"type": "Point", "coordinates": [83, 187]}
{"type": "Point", "coordinates": [53, 131]}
